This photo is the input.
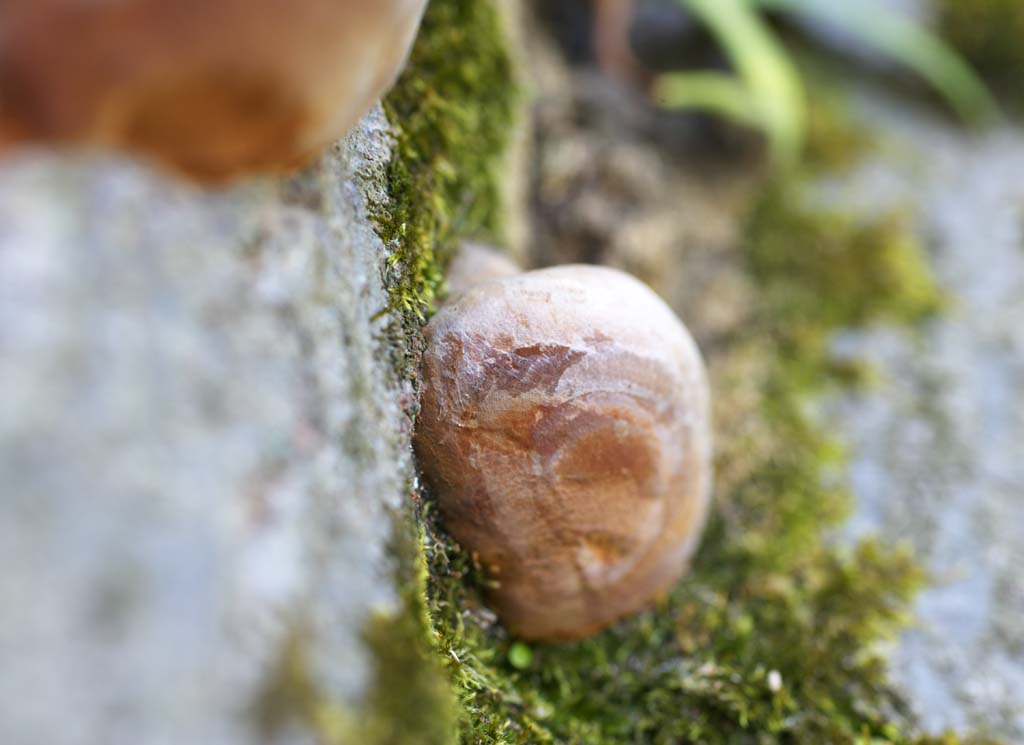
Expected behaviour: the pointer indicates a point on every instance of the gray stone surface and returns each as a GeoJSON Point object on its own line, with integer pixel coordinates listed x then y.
{"type": "Point", "coordinates": [200, 443]}
{"type": "Point", "coordinates": [938, 447]}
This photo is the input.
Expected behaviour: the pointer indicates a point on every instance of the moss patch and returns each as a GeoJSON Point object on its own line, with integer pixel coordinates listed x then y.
{"type": "Point", "coordinates": [409, 700]}
{"type": "Point", "coordinates": [822, 271]}
{"type": "Point", "coordinates": [773, 637]}
{"type": "Point", "coordinates": [990, 33]}
{"type": "Point", "coordinates": [452, 110]}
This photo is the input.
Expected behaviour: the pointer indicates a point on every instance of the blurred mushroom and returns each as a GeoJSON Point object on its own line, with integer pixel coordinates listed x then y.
{"type": "Point", "coordinates": [212, 88]}
{"type": "Point", "coordinates": [565, 432]}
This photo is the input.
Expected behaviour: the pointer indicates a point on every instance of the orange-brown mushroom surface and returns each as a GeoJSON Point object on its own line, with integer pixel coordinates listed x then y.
{"type": "Point", "coordinates": [565, 433]}
{"type": "Point", "coordinates": [212, 88]}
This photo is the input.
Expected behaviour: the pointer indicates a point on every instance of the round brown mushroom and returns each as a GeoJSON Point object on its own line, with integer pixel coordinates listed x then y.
{"type": "Point", "coordinates": [565, 432]}
{"type": "Point", "coordinates": [213, 89]}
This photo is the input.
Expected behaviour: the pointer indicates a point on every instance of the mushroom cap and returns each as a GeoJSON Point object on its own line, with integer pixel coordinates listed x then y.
{"type": "Point", "coordinates": [565, 431]}
{"type": "Point", "coordinates": [213, 89]}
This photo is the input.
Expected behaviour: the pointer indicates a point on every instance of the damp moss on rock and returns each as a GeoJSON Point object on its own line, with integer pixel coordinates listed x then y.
{"type": "Point", "coordinates": [452, 111]}
{"type": "Point", "coordinates": [409, 700]}
{"type": "Point", "coordinates": [774, 637]}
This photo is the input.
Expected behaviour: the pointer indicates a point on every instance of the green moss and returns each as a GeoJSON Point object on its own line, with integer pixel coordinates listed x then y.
{"type": "Point", "coordinates": [293, 698]}
{"type": "Point", "coordinates": [773, 637]}
{"type": "Point", "coordinates": [452, 110]}
{"type": "Point", "coordinates": [989, 33]}
{"type": "Point", "coordinates": [451, 113]}
{"type": "Point", "coordinates": [821, 270]}
{"type": "Point", "coordinates": [411, 700]}
{"type": "Point", "coordinates": [835, 141]}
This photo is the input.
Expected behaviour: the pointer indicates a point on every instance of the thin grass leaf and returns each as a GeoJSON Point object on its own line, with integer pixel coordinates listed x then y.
{"type": "Point", "coordinates": [906, 42]}
{"type": "Point", "coordinates": [716, 92]}
{"type": "Point", "coordinates": [771, 82]}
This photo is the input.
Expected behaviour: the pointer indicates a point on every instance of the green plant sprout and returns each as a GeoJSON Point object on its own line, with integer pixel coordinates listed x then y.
{"type": "Point", "coordinates": [767, 95]}
{"type": "Point", "coordinates": [767, 92]}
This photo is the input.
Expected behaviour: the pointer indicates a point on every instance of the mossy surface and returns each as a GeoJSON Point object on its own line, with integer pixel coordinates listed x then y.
{"type": "Point", "coordinates": [819, 271]}
{"type": "Point", "coordinates": [989, 33]}
{"type": "Point", "coordinates": [452, 112]}
{"type": "Point", "coordinates": [774, 636]}
{"type": "Point", "coordinates": [409, 701]}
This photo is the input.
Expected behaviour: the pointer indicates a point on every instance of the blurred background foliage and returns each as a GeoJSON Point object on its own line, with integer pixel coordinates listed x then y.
{"type": "Point", "coordinates": [766, 90]}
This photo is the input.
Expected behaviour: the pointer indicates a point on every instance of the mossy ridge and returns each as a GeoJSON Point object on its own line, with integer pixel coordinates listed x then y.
{"type": "Point", "coordinates": [773, 637]}
{"type": "Point", "coordinates": [452, 111]}
{"type": "Point", "coordinates": [990, 34]}
{"type": "Point", "coordinates": [409, 700]}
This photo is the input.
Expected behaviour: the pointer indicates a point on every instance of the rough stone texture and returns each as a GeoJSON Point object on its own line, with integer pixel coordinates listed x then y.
{"type": "Point", "coordinates": [936, 448]}
{"type": "Point", "coordinates": [200, 441]}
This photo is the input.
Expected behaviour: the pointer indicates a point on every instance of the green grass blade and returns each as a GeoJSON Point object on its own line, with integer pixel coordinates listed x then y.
{"type": "Point", "coordinates": [772, 84]}
{"type": "Point", "coordinates": [906, 42]}
{"type": "Point", "coordinates": [716, 92]}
